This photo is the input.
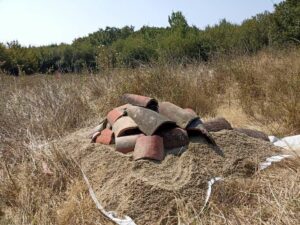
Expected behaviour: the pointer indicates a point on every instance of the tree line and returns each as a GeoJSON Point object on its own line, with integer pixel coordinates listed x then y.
{"type": "Point", "coordinates": [179, 43]}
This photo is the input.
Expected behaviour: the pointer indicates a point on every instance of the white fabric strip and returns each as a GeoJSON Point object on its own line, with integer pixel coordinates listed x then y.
{"type": "Point", "coordinates": [291, 142]}
{"type": "Point", "coordinates": [272, 159]}
{"type": "Point", "coordinates": [209, 189]}
{"type": "Point", "coordinates": [111, 215]}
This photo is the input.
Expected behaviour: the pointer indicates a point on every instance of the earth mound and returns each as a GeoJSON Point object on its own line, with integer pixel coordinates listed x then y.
{"type": "Point", "coordinates": [147, 190]}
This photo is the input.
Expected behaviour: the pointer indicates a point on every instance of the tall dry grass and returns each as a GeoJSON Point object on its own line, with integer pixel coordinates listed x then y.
{"type": "Point", "coordinates": [188, 87]}
{"type": "Point", "coordinates": [38, 109]}
{"type": "Point", "coordinates": [268, 89]}
{"type": "Point", "coordinates": [267, 197]}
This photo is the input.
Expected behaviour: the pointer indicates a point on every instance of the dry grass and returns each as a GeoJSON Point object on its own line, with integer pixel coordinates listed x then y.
{"type": "Point", "coordinates": [176, 84]}
{"type": "Point", "coordinates": [259, 92]}
{"type": "Point", "coordinates": [268, 89]}
{"type": "Point", "coordinates": [268, 197]}
{"type": "Point", "coordinates": [35, 111]}
{"type": "Point", "coordinates": [31, 195]}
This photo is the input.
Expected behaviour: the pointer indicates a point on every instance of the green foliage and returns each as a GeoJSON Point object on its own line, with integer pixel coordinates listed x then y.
{"type": "Point", "coordinates": [177, 21]}
{"type": "Point", "coordinates": [178, 43]}
{"type": "Point", "coordinates": [175, 47]}
{"type": "Point", "coordinates": [20, 59]}
{"type": "Point", "coordinates": [253, 34]}
{"type": "Point", "coordinates": [286, 22]}
{"type": "Point", "coordinates": [48, 59]}
{"type": "Point", "coordinates": [133, 51]}
{"type": "Point", "coordinates": [222, 37]}
{"type": "Point", "coordinates": [107, 36]}
{"type": "Point", "coordinates": [4, 58]}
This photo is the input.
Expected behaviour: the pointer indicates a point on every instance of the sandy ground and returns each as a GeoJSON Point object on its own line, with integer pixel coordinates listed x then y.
{"type": "Point", "coordinates": [146, 190]}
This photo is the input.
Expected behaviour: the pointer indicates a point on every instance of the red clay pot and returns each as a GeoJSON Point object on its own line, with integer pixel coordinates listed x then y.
{"type": "Point", "coordinates": [114, 115]}
{"type": "Point", "coordinates": [126, 144]}
{"type": "Point", "coordinates": [217, 124]}
{"type": "Point", "coordinates": [149, 147]}
{"type": "Point", "coordinates": [174, 138]}
{"type": "Point", "coordinates": [125, 126]}
{"type": "Point", "coordinates": [173, 112]}
{"type": "Point", "coordinates": [139, 100]}
{"type": "Point", "coordinates": [106, 137]}
{"type": "Point", "coordinates": [147, 120]}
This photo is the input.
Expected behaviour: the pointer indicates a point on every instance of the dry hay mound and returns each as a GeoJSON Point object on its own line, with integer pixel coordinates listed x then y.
{"type": "Point", "coordinates": [146, 190]}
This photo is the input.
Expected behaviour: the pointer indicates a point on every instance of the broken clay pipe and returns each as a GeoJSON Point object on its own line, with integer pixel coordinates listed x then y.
{"type": "Point", "coordinates": [139, 100]}
{"type": "Point", "coordinates": [149, 147]}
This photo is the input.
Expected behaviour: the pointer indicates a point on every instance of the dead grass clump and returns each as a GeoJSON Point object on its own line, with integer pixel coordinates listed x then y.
{"type": "Point", "coordinates": [33, 111]}
{"type": "Point", "coordinates": [44, 108]}
{"type": "Point", "coordinates": [32, 193]}
{"type": "Point", "coordinates": [185, 87]}
{"type": "Point", "coordinates": [269, 197]}
{"type": "Point", "coordinates": [29, 194]}
{"type": "Point", "coordinates": [268, 89]}
{"type": "Point", "coordinates": [79, 208]}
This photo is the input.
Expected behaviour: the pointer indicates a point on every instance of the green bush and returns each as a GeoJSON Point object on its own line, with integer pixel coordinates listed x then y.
{"type": "Point", "coordinates": [178, 43]}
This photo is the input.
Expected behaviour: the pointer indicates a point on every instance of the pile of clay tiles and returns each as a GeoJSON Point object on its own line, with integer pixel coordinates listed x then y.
{"type": "Point", "coordinates": [148, 128]}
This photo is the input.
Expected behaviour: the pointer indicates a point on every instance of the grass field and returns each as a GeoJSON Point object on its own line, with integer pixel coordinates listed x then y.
{"type": "Point", "coordinates": [260, 92]}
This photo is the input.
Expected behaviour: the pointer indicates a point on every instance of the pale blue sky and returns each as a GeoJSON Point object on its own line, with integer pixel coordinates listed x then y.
{"type": "Point", "coordinates": [41, 22]}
